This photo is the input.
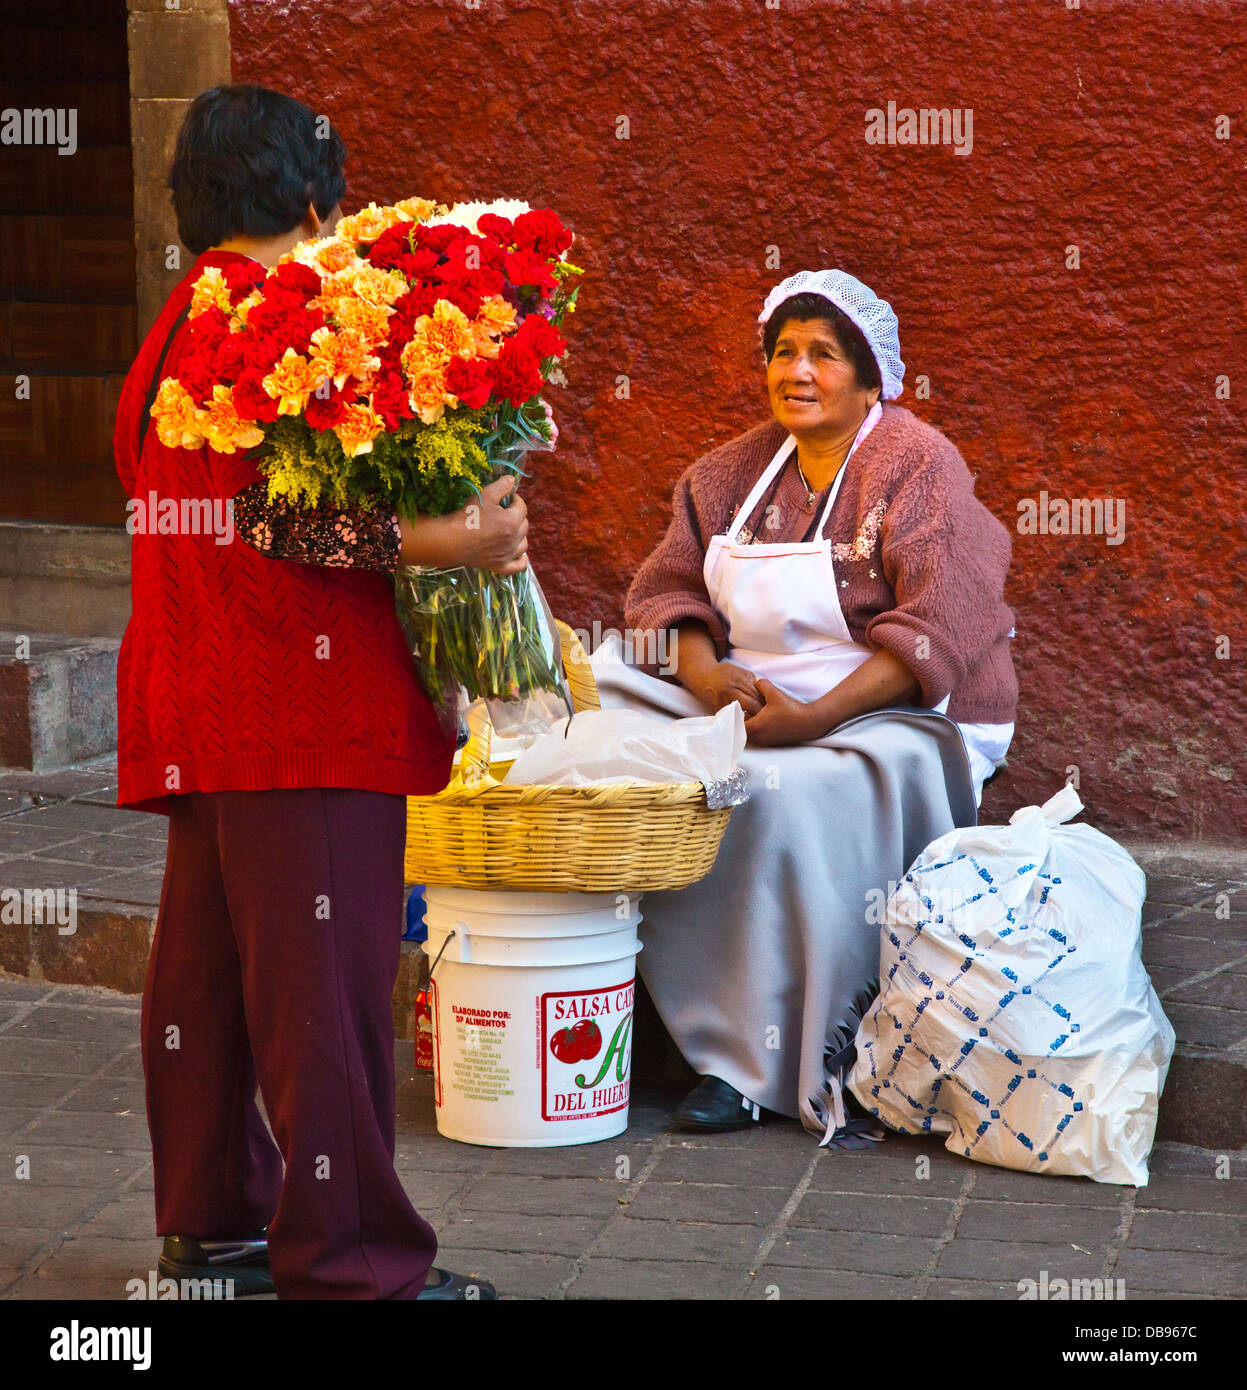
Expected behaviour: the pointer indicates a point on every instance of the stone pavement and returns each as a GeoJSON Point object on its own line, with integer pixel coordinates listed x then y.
{"type": "Point", "coordinates": [62, 830]}
{"type": "Point", "coordinates": [756, 1214]}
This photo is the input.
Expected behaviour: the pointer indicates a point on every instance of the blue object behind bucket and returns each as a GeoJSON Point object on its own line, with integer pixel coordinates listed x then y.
{"type": "Point", "coordinates": [417, 929]}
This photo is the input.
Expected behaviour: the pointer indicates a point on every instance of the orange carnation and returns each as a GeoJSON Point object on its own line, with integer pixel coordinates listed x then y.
{"type": "Point", "coordinates": [494, 319]}
{"type": "Point", "coordinates": [376, 287]}
{"type": "Point", "coordinates": [417, 358]}
{"type": "Point", "coordinates": [367, 224]}
{"type": "Point", "coordinates": [292, 381]}
{"type": "Point", "coordinates": [445, 333]}
{"type": "Point", "coordinates": [428, 395]}
{"type": "Point", "coordinates": [342, 354]}
{"type": "Point", "coordinates": [367, 284]}
{"type": "Point", "coordinates": [176, 416]}
{"type": "Point", "coordinates": [356, 430]}
{"type": "Point", "coordinates": [417, 209]}
{"type": "Point", "coordinates": [370, 321]}
{"type": "Point", "coordinates": [210, 291]}
{"type": "Point", "coordinates": [333, 257]}
{"type": "Point", "coordinates": [222, 428]}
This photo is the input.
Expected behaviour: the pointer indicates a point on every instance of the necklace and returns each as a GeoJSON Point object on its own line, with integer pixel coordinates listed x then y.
{"type": "Point", "coordinates": [809, 491]}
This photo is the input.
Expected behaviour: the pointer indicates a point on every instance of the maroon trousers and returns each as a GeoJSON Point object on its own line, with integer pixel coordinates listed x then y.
{"type": "Point", "coordinates": [275, 956]}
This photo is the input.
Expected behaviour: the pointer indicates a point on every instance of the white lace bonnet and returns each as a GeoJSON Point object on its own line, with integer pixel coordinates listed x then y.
{"type": "Point", "coordinates": [871, 314]}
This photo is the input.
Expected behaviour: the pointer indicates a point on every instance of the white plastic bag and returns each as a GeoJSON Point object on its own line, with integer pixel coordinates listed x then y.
{"type": "Point", "coordinates": [1015, 1013]}
{"type": "Point", "coordinates": [623, 745]}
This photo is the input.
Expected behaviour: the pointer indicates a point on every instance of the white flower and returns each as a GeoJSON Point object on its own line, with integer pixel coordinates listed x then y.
{"type": "Point", "coordinates": [467, 214]}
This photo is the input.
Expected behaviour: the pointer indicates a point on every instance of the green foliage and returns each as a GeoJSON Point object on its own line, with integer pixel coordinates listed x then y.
{"type": "Point", "coordinates": [419, 470]}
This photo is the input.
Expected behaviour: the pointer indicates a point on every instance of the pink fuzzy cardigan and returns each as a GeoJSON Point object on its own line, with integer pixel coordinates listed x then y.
{"type": "Point", "coordinates": [922, 557]}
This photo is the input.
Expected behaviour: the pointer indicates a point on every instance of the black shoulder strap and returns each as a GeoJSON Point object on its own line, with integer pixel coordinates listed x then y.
{"type": "Point", "coordinates": [146, 417]}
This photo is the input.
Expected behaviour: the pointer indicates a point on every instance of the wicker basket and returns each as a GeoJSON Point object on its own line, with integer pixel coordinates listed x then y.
{"type": "Point", "coordinates": [631, 837]}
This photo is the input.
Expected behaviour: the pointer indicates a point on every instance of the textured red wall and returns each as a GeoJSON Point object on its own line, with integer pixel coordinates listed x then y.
{"type": "Point", "coordinates": [1093, 127]}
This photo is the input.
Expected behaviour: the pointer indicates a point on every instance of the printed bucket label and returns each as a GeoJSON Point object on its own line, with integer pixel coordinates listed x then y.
{"type": "Point", "coordinates": [584, 1046]}
{"type": "Point", "coordinates": [472, 1061]}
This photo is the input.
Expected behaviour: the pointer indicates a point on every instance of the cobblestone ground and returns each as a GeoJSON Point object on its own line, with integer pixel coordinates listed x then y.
{"type": "Point", "coordinates": [756, 1214]}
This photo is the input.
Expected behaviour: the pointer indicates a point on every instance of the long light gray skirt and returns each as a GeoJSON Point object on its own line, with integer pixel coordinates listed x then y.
{"type": "Point", "coordinates": [761, 970]}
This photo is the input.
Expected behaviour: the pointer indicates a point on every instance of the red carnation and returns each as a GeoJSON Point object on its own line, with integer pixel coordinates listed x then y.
{"type": "Point", "coordinates": [540, 230]}
{"type": "Point", "coordinates": [301, 325]}
{"type": "Point", "coordinates": [414, 265]}
{"type": "Point", "coordinates": [422, 262]}
{"type": "Point", "coordinates": [251, 400]}
{"type": "Point", "coordinates": [322, 412]}
{"type": "Point", "coordinates": [390, 400]}
{"type": "Point", "coordinates": [241, 277]}
{"type": "Point", "coordinates": [407, 309]}
{"type": "Point", "coordinates": [528, 268]}
{"type": "Point", "coordinates": [472, 380]}
{"type": "Point", "coordinates": [490, 281]}
{"type": "Point", "coordinates": [462, 296]}
{"type": "Point", "coordinates": [392, 251]}
{"type": "Point", "coordinates": [541, 337]}
{"type": "Point", "coordinates": [295, 279]}
{"type": "Point", "coordinates": [490, 252]}
{"type": "Point", "coordinates": [502, 228]}
{"type": "Point", "coordinates": [439, 238]}
{"type": "Point", "coordinates": [231, 356]}
{"type": "Point", "coordinates": [210, 327]}
{"type": "Point", "coordinates": [392, 242]}
{"type": "Point", "coordinates": [262, 350]}
{"type": "Point", "coordinates": [269, 316]}
{"type": "Point", "coordinates": [518, 373]}
{"type": "Point", "coordinates": [196, 373]}
{"type": "Point", "coordinates": [285, 325]}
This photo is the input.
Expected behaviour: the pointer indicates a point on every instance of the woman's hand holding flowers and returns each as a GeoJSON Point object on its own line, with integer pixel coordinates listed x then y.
{"type": "Point", "coordinates": [483, 535]}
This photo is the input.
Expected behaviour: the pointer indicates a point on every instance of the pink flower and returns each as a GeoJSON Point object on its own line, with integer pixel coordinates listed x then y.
{"type": "Point", "coordinates": [863, 545]}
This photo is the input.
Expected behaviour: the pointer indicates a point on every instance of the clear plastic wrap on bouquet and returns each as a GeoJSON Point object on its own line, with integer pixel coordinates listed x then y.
{"type": "Point", "coordinates": [485, 633]}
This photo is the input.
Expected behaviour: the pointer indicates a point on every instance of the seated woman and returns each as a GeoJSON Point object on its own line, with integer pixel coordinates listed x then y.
{"type": "Point", "coordinates": [833, 572]}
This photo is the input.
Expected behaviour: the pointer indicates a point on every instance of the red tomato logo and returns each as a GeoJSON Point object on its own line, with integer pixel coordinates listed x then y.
{"type": "Point", "coordinates": [579, 1043]}
{"type": "Point", "coordinates": [589, 1038]}
{"type": "Point", "coordinates": [565, 1046]}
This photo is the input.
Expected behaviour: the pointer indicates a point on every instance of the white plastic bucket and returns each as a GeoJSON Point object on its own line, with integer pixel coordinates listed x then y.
{"type": "Point", "coordinates": [532, 1002]}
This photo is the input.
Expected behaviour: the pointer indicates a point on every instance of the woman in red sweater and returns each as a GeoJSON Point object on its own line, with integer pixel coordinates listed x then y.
{"type": "Point", "coordinates": [270, 709]}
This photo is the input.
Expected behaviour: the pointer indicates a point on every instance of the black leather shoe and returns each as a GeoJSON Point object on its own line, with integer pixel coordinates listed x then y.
{"type": "Point", "coordinates": [714, 1105]}
{"type": "Point", "coordinates": [242, 1263]}
{"type": "Point", "coordinates": [457, 1288]}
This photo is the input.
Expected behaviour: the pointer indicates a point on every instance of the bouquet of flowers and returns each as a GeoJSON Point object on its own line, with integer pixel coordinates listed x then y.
{"type": "Point", "coordinates": [398, 363]}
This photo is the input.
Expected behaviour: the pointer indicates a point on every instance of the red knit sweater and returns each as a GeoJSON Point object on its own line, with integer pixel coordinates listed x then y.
{"type": "Point", "coordinates": [239, 672]}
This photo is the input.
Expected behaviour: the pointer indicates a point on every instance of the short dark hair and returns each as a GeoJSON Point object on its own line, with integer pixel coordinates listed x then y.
{"type": "Point", "coordinates": [850, 337]}
{"type": "Point", "coordinates": [248, 162]}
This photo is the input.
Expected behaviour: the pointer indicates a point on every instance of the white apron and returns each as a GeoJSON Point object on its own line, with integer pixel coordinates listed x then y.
{"type": "Point", "coordinates": [779, 602]}
{"type": "Point", "coordinates": [781, 606]}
